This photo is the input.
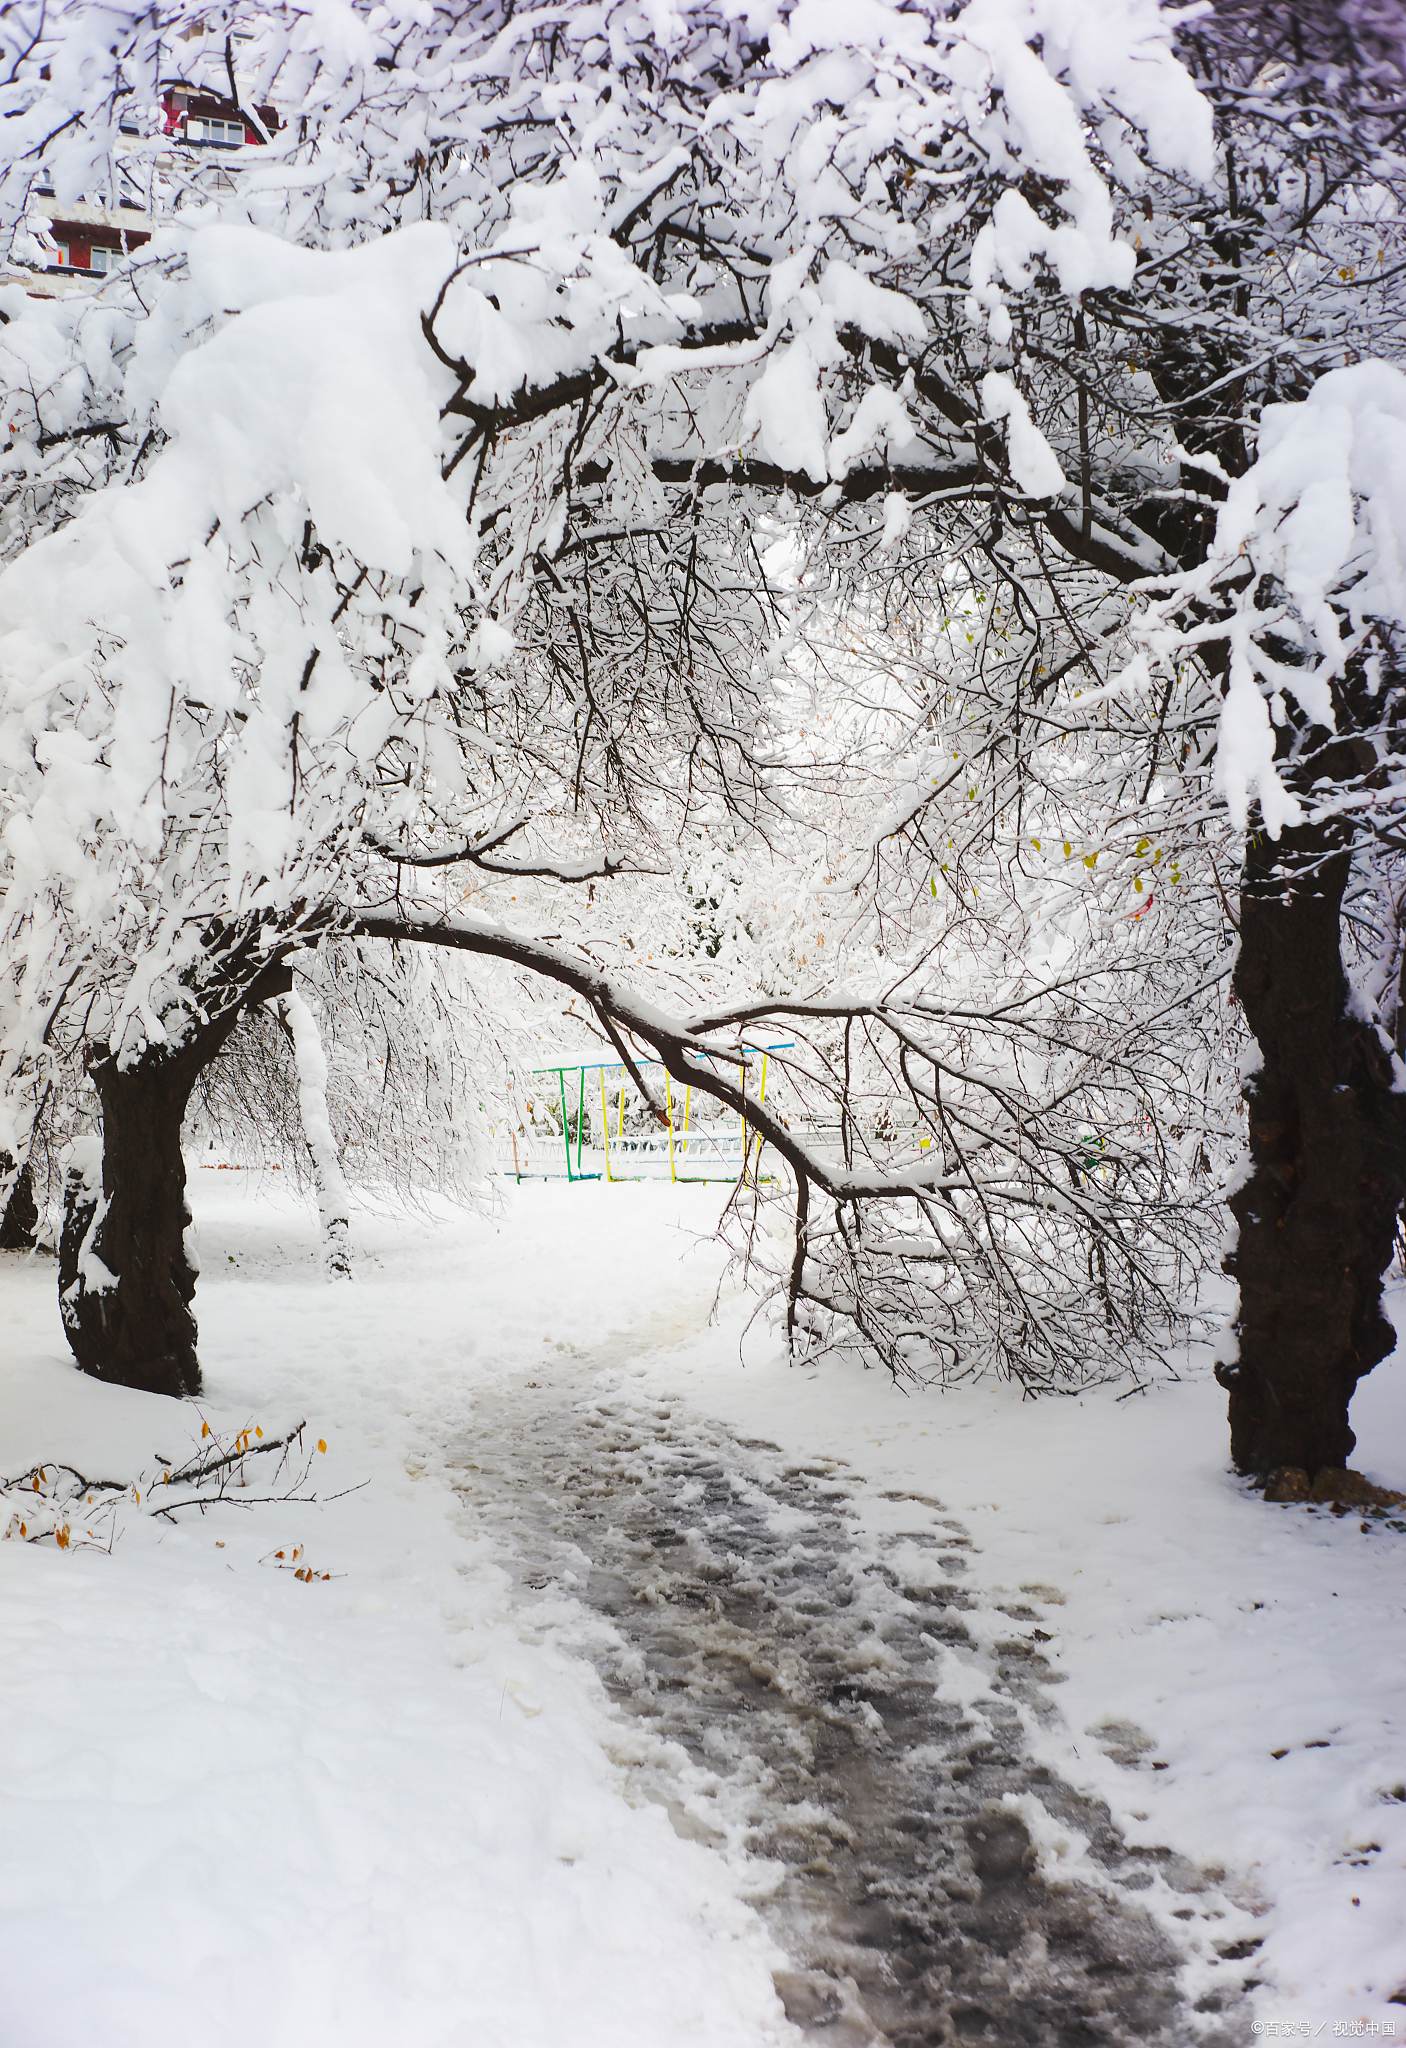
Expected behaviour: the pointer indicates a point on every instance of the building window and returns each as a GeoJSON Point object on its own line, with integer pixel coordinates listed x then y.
{"type": "Point", "coordinates": [104, 259]}
{"type": "Point", "coordinates": [202, 128]}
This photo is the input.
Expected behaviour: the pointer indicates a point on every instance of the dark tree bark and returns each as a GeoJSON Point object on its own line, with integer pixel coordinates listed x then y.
{"type": "Point", "coordinates": [1327, 1139]}
{"type": "Point", "coordinates": [20, 1218]}
{"type": "Point", "coordinates": [126, 1280]}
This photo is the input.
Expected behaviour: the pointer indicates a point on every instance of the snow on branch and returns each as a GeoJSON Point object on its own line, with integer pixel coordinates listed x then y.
{"type": "Point", "coordinates": [1305, 580]}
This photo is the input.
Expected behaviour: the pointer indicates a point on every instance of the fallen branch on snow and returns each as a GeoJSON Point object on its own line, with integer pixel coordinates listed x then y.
{"type": "Point", "coordinates": [56, 1500]}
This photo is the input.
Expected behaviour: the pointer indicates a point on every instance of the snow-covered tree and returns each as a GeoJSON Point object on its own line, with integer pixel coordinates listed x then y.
{"type": "Point", "coordinates": [1223, 450]}
{"type": "Point", "coordinates": [1284, 584]}
{"type": "Point", "coordinates": [343, 560]}
{"type": "Point", "coordinates": [280, 497]}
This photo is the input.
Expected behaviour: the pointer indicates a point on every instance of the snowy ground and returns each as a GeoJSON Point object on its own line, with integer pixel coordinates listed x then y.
{"type": "Point", "coordinates": [409, 1803]}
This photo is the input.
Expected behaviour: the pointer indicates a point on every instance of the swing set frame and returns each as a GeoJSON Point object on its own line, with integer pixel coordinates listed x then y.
{"type": "Point", "coordinates": [602, 1067]}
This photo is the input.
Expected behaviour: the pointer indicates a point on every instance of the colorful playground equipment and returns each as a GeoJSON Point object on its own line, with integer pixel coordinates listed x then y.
{"type": "Point", "coordinates": [699, 1153]}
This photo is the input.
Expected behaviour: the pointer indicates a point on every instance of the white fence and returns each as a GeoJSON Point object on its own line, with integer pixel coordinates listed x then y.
{"type": "Point", "coordinates": [692, 1155]}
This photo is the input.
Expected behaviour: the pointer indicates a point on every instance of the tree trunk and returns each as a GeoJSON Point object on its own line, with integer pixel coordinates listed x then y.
{"type": "Point", "coordinates": [333, 1195]}
{"type": "Point", "coordinates": [1318, 1213]}
{"type": "Point", "coordinates": [20, 1217]}
{"type": "Point", "coordinates": [126, 1269]}
{"type": "Point", "coordinates": [126, 1276]}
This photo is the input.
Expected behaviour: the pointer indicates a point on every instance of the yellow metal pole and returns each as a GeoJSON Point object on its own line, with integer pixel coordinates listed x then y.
{"type": "Point", "coordinates": [763, 1099]}
{"type": "Point", "coordinates": [605, 1125]}
{"type": "Point", "coordinates": [669, 1098]}
{"type": "Point", "coordinates": [687, 1098]}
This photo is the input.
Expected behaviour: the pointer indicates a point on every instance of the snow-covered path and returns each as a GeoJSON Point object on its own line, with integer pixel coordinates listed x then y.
{"type": "Point", "coordinates": [783, 1658]}
{"type": "Point", "coordinates": [650, 1683]}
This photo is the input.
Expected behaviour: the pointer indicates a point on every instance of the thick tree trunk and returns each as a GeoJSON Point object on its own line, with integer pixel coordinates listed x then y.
{"type": "Point", "coordinates": [126, 1267]}
{"type": "Point", "coordinates": [1317, 1215]}
{"type": "Point", "coordinates": [126, 1275]}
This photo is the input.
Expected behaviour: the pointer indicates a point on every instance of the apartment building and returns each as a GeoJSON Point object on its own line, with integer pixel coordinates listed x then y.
{"type": "Point", "coordinates": [84, 241]}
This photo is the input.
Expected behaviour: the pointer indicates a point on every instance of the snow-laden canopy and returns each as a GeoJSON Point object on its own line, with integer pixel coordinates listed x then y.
{"type": "Point", "coordinates": [280, 497]}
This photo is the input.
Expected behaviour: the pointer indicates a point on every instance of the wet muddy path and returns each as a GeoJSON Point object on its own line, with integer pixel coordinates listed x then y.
{"type": "Point", "coordinates": [816, 1688]}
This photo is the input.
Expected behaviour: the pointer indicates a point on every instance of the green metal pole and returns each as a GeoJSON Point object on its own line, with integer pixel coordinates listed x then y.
{"type": "Point", "coordinates": [580, 1123]}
